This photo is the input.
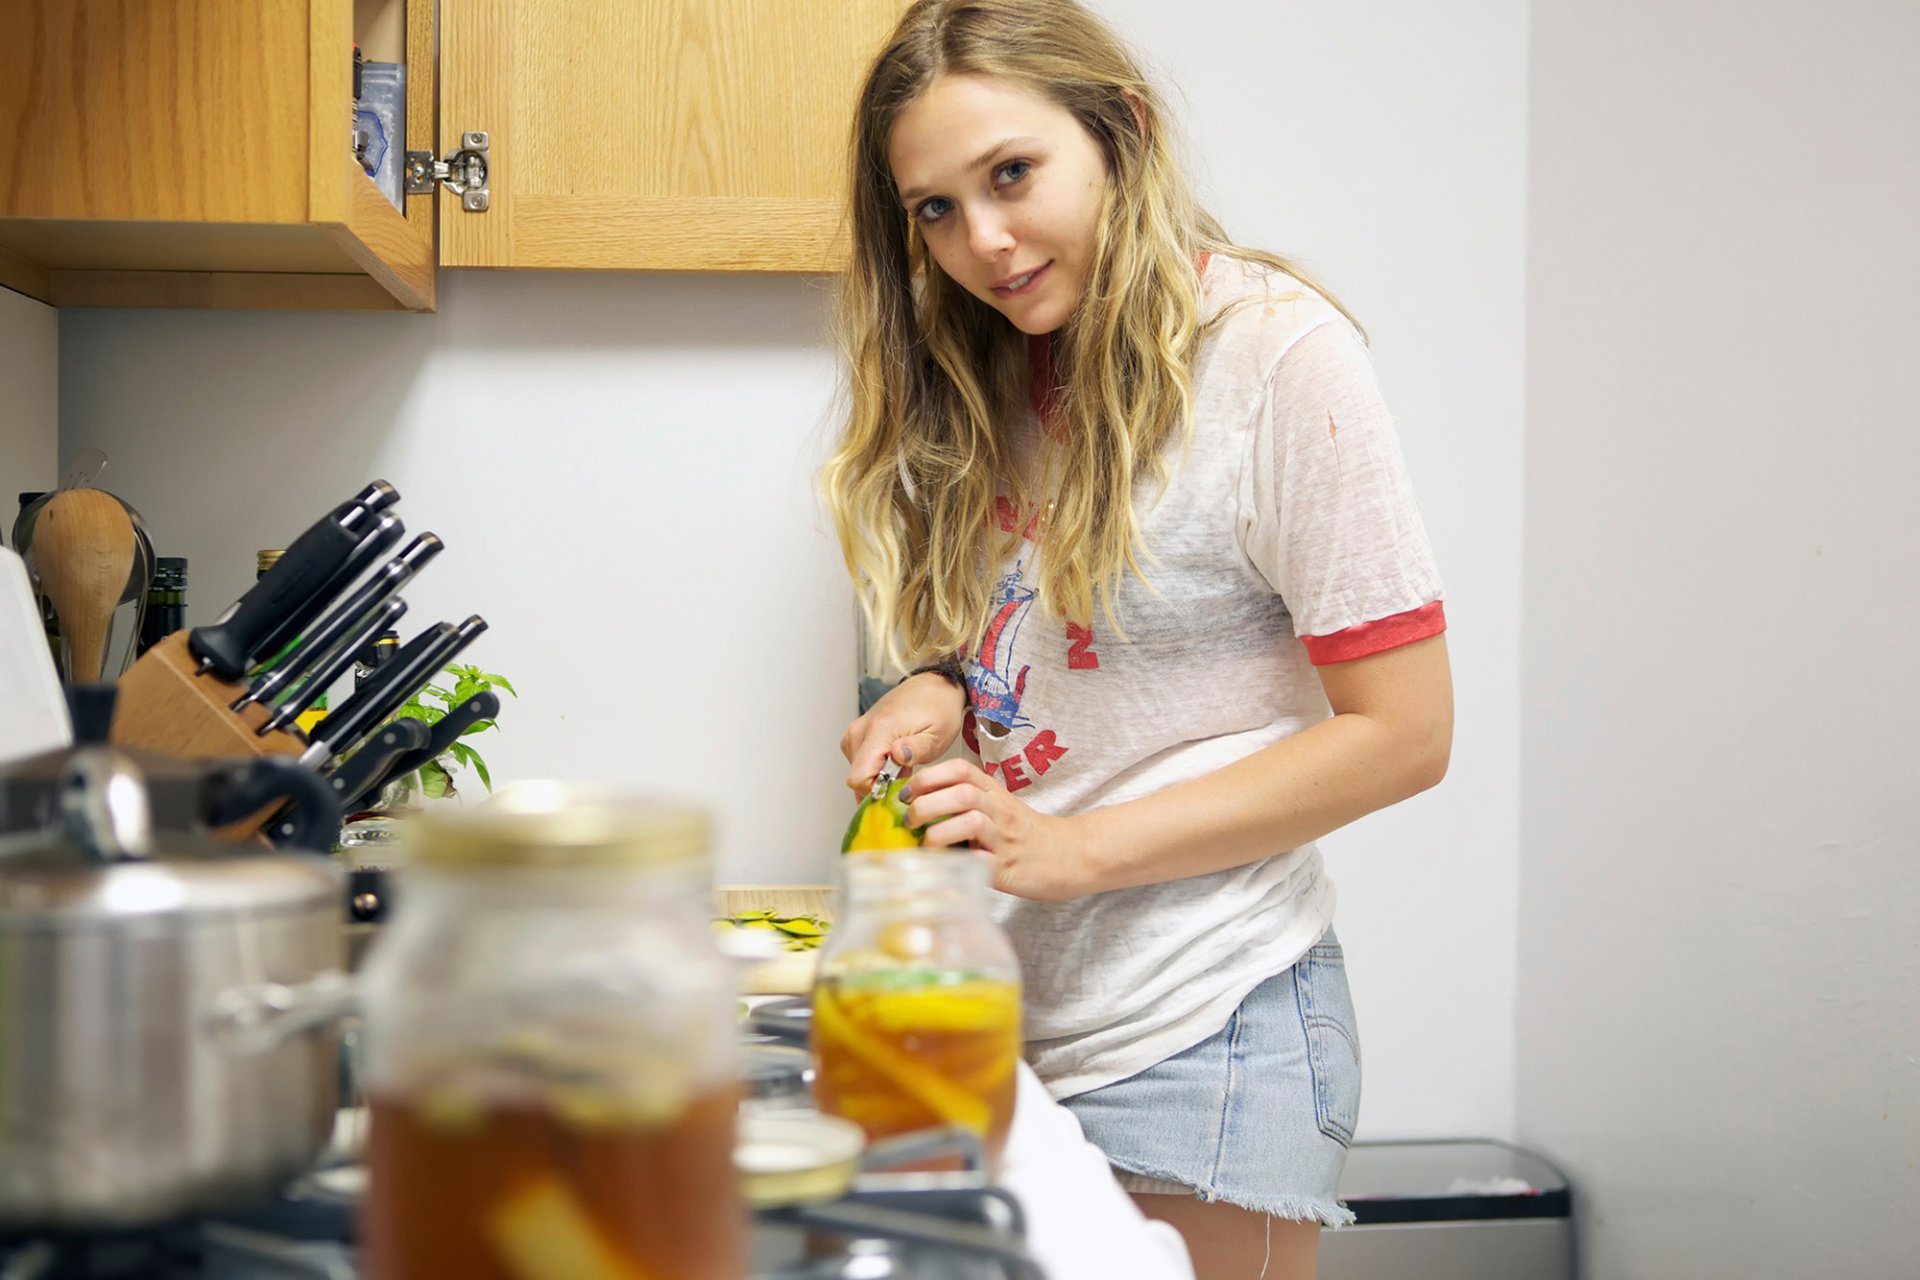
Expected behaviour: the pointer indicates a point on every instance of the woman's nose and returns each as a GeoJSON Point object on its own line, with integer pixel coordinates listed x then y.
{"type": "Point", "coordinates": [988, 234]}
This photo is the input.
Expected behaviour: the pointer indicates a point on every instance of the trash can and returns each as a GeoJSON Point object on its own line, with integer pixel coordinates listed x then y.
{"type": "Point", "coordinates": [1453, 1209]}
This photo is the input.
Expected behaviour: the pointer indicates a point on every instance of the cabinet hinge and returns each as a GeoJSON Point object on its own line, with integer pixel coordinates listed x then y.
{"type": "Point", "coordinates": [464, 172]}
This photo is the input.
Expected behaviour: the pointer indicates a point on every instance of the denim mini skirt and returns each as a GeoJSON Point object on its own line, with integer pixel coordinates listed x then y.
{"type": "Point", "coordinates": [1260, 1114]}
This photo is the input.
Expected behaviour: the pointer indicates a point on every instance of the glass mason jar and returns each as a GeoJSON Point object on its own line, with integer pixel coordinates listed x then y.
{"type": "Point", "coordinates": [916, 1009]}
{"type": "Point", "coordinates": [549, 1049]}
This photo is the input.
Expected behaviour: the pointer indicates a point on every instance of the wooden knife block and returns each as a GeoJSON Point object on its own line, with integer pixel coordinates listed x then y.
{"type": "Point", "coordinates": [163, 706]}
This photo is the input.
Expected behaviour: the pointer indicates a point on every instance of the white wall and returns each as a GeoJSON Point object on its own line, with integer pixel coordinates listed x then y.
{"type": "Point", "coordinates": [1720, 896]}
{"type": "Point", "coordinates": [29, 401]}
{"type": "Point", "coordinates": [620, 466]}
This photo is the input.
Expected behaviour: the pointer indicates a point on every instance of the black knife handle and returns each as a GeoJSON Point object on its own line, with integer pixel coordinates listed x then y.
{"type": "Point", "coordinates": [386, 532]}
{"type": "Point", "coordinates": [333, 667]}
{"type": "Point", "coordinates": [371, 762]}
{"type": "Point", "coordinates": [313, 821]}
{"type": "Point", "coordinates": [227, 645]}
{"type": "Point", "coordinates": [408, 670]}
{"type": "Point", "coordinates": [377, 590]}
{"type": "Point", "coordinates": [445, 732]}
{"type": "Point", "coordinates": [394, 683]}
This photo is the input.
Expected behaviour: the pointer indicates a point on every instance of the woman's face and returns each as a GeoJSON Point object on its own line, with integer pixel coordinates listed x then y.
{"type": "Point", "coordinates": [1005, 186]}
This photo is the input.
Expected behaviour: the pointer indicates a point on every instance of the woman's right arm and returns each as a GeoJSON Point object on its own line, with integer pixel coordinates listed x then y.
{"type": "Point", "coordinates": [916, 722]}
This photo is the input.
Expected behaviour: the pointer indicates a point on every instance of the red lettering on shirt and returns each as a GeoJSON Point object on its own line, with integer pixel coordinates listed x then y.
{"type": "Point", "coordinates": [970, 733]}
{"type": "Point", "coordinates": [1080, 654]}
{"type": "Point", "coordinates": [1010, 774]}
{"type": "Point", "coordinates": [1042, 752]}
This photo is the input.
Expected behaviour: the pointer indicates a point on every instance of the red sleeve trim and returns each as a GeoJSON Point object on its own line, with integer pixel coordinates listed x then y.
{"type": "Point", "coordinates": [1377, 636]}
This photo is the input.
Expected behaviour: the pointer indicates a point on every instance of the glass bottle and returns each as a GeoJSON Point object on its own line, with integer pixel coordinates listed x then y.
{"type": "Point", "coordinates": [916, 1010]}
{"type": "Point", "coordinates": [549, 1039]}
{"type": "Point", "coordinates": [166, 609]}
{"type": "Point", "coordinates": [377, 653]}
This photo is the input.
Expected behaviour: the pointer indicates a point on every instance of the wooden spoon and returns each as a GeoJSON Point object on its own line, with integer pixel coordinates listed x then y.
{"type": "Point", "coordinates": [83, 549]}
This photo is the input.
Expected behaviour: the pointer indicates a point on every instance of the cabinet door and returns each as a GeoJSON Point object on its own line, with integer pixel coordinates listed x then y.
{"type": "Point", "coordinates": [668, 135]}
{"type": "Point", "coordinates": [199, 154]}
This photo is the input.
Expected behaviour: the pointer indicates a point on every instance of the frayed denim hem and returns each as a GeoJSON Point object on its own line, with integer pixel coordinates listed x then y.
{"type": "Point", "coordinates": [1289, 1208]}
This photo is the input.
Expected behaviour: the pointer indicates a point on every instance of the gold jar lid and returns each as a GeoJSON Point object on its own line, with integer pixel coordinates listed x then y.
{"type": "Point", "coordinates": [794, 1158]}
{"type": "Point", "coordinates": [560, 825]}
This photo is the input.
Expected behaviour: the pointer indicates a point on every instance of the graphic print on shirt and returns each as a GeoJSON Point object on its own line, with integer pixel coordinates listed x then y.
{"type": "Point", "coordinates": [994, 685]}
{"type": "Point", "coordinates": [1080, 654]}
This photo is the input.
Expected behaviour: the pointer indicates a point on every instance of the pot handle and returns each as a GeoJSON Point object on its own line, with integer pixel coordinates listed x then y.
{"type": "Point", "coordinates": [241, 789]}
{"type": "Point", "coordinates": [262, 1016]}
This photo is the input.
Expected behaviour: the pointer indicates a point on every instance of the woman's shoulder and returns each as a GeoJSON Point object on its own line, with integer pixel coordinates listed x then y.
{"type": "Point", "coordinates": [1256, 311]}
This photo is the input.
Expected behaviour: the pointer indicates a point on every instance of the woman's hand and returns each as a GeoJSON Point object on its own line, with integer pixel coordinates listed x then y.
{"type": "Point", "coordinates": [918, 719]}
{"type": "Point", "coordinates": [1035, 855]}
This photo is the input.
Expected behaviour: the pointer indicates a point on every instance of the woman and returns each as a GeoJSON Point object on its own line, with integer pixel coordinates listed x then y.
{"type": "Point", "coordinates": [1133, 491]}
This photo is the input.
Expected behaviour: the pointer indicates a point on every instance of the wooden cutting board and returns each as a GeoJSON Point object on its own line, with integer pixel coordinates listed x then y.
{"type": "Point", "coordinates": [790, 974]}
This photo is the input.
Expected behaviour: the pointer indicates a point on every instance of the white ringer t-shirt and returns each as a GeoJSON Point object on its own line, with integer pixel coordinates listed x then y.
{"type": "Point", "coordinates": [1286, 538]}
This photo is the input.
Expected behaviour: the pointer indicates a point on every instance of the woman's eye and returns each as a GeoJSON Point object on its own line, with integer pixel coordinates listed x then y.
{"type": "Point", "coordinates": [1012, 171]}
{"type": "Point", "coordinates": [933, 210]}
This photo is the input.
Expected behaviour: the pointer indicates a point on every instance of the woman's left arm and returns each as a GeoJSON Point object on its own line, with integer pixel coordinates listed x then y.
{"type": "Point", "coordinates": [1389, 738]}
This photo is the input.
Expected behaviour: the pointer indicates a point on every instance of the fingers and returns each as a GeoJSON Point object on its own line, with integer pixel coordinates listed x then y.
{"type": "Point", "coordinates": [969, 828]}
{"type": "Point", "coordinates": [943, 802]}
{"type": "Point", "coordinates": [873, 749]}
{"type": "Point", "coordinates": [948, 773]}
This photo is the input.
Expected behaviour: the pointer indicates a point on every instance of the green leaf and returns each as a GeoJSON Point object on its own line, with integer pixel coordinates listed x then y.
{"type": "Point", "coordinates": [461, 752]}
{"type": "Point", "coordinates": [502, 682]}
{"type": "Point", "coordinates": [434, 781]}
{"type": "Point", "coordinates": [480, 767]}
{"type": "Point", "coordinates": [478, 726]}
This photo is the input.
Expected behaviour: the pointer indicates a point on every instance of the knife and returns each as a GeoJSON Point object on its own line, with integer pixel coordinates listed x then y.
{"type": "Point", "coordinates": [319, 643]}
{"type": "Point", "coordinates": [333, 666]}
{"type": "Point", "coordinates": [328, 740]}
{"type": "Point", "coordinates": [386, 532]}
{"type": "Point", "coordinates": [227, 645]}
{"type": "Point", "coordinates": [889, 773]}
{"type": "Point", "coordinates": [389, 688]}
{"type": "Point", "coordinates": [392, 740]}
{"type": "Point", "coordinates": [444, 733]}
{"type": "Point", "coordinates": [371, 763]}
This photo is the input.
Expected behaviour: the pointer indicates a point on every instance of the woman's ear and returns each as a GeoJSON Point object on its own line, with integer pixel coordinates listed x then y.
{"type": "Point", "coordinates": [1139, 106]}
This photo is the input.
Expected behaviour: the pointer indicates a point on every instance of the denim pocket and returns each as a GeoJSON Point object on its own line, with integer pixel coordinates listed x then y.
{"type": "Point", "coordinates": [1333, 1043]}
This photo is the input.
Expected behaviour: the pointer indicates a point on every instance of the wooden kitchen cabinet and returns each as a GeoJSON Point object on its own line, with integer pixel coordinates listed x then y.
{"type": "Point", "coordinates": [195, 152]}
{"type": "Point", "coordinates": [670, 135]}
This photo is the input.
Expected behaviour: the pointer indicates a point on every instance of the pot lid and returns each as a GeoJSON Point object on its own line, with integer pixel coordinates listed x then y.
{"type": "Point", "coordinates": [104, 865]}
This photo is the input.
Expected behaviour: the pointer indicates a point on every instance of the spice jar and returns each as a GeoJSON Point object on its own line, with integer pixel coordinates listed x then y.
{"type": "Point", "coordinates": [549, 1043]}
{"type": "Point", "coordinates": [916, 1010]}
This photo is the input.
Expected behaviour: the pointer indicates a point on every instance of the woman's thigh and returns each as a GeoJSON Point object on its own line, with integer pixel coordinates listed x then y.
{"type": "Point", "coordinates": [1227, 1242]}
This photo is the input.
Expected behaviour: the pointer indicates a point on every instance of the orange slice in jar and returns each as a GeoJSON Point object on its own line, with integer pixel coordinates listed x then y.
{"type": "Point", "coordinates": [541, 1232]}
{"type": "Point", "coordinates": [935, 1092]}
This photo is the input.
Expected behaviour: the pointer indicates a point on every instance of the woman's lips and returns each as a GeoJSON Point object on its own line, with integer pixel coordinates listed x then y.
{"type": "Point", "coordinates": [1034, 278]}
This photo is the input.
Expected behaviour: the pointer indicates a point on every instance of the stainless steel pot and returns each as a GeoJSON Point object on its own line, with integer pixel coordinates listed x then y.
{"type": "Point", "coordinates": [146, 1071]}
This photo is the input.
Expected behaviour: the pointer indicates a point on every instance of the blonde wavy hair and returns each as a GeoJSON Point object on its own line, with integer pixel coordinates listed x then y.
{"type": "Point", "coordinates": [935, 376]}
